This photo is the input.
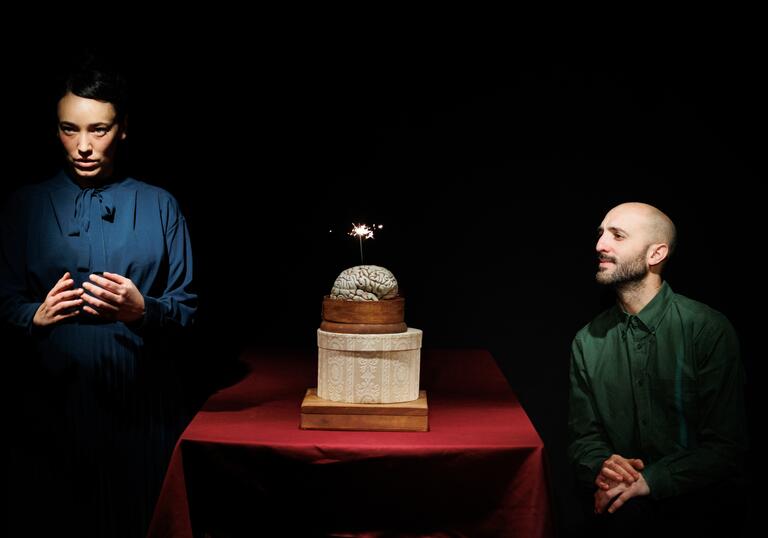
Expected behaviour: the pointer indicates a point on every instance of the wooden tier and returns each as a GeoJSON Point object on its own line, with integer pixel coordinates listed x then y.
{"type": "Point", "coordinates": [363, 317]}
{"type": "Point", "coordinates": [363, 328]}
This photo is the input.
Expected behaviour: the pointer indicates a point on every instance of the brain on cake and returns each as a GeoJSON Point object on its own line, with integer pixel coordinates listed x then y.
{"type": "Point", "coordinates": [366, 352]}
{"type": "Point", "coordinates": [365, 283]}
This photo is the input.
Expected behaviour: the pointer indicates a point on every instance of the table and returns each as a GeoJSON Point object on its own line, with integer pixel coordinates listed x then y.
{"type": "Point", "coordinates": [244, 468]}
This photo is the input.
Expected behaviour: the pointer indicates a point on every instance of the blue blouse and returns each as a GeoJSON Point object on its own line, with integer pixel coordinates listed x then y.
{"type": "Point", "coordinates": [104, 396]}
{"type": "Point", "coordinates": [127, 227]}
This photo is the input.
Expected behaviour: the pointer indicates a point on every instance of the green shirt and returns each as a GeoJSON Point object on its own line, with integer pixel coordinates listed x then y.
{"type": "Point", "coordinates": [665, 386]}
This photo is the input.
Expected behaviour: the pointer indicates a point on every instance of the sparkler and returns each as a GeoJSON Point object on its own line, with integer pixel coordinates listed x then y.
{"type": "Point", "coordinates": [362, 231]}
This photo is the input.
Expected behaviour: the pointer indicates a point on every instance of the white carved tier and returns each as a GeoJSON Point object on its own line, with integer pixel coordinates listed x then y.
{"type": "Point", "coordinates": [368, 368]}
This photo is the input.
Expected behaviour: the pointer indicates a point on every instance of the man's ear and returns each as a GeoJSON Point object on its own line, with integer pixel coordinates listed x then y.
{"type": "Point", "coordinates": [657, 253]}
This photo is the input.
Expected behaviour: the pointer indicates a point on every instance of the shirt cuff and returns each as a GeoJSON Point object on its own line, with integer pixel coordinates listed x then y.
{"type": "Point", "coordinates": [659, 481]}
{"type": "Point", "coordinates": [28, 315]}
{"type": "Point", "coordinates": [153, 312]}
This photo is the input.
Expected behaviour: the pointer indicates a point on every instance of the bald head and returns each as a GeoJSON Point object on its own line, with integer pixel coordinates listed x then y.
{"type": "Point", "coordinates": [657, 226]}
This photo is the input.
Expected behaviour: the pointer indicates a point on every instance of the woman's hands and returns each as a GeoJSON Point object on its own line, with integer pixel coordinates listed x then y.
{"type": "Point", "coordinates": [111, 296]}
{"type": "Point", "coordinates": [60, 303]}
{"type": "Point", "coordinates": [114, 297]}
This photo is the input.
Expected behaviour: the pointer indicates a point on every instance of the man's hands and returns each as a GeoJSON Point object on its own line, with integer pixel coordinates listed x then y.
{"type": "Point", "coordinates": [114, 297]}
{"type": "Point", "coordinates": [621, 492]}
{"type": "Point", "coordinates": [618, 469]}
{"type": "Point", "coordinates": [619, 478]}
{"type": "Point", "coordinates": [59, 303]}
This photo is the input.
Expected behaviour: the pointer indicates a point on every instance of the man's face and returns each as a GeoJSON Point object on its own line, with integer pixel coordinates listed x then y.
{"type": "Point", "coordinates": [621, 248]}
{"type": "Point", "coordinates": [89, 133]}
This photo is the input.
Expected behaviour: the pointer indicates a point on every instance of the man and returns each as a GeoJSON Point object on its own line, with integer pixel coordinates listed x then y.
{"type": "Point", "coordinates": [657, 422]}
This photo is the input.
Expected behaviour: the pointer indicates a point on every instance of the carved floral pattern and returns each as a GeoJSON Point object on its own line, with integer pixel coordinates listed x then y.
{"type": "Point", "coordinates": [357, 375]}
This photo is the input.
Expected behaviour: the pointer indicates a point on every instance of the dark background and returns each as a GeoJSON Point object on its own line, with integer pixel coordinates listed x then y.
{"type": "Point", "coordinates": [490, 166]}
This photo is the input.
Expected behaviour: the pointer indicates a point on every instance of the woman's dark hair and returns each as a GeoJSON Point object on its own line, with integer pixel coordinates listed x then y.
{"type": "Point", "coordinates": [95, 78]}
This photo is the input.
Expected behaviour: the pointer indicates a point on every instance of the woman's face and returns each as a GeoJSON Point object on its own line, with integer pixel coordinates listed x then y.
{"type": "Point", "coordinates": [89, 132]}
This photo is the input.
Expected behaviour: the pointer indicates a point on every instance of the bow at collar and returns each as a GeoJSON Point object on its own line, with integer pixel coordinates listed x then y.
{"type": "Point", "coordinates": [81, 221]}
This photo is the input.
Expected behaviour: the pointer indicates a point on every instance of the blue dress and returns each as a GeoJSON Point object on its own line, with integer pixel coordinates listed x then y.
{"type": "Point", "coordinates": [98, 404]}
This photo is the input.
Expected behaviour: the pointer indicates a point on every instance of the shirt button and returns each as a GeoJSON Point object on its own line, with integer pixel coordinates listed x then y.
{"type": "Point", "coordinates": [640, 383]}
{"type": "Point", "coordinates": [644, 422]}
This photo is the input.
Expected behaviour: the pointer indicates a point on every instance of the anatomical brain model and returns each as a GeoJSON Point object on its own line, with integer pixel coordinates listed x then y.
{"type": "Point", "coordinates": [365, 283]}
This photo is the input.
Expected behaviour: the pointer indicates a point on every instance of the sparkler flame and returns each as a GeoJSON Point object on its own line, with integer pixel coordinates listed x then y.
{"type": "Point", "coordinates": [362, 231]}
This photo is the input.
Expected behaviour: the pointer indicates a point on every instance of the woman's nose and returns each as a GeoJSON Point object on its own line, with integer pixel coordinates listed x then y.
{"type": "Point", "coordinates": [83, 144]}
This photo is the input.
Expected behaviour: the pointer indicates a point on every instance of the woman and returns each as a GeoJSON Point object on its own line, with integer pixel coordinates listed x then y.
{"type": "Point", "coordinates": [96, 274]}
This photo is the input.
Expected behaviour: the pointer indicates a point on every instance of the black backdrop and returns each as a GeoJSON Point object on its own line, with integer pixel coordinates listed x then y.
{"type": "Point", "coordinates": [489, 167]}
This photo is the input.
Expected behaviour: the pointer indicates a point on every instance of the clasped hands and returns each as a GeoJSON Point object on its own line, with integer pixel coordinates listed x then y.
{"type": "Point", "coordinates": [619, 480]}
{"type": "Point", "coordinates": [110, 296]}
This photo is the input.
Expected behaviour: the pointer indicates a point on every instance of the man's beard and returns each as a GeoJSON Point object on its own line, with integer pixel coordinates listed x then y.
{"type": "Point", "coordinates": [624, 274]}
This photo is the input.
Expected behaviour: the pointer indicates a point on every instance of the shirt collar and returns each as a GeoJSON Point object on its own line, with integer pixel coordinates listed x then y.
{"type": "Point", "coordinates": [652, 314]}
{"type": "Point", "coordinates": [64, 193]}
{"type": "Point", "coordinates": [63, 180]}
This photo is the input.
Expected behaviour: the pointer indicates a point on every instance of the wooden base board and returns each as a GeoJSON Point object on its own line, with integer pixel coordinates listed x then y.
{"type": "Point", "coordinates": [320, 414]}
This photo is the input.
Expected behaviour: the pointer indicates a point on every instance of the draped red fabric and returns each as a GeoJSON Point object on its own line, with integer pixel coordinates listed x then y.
{"type": "Point", "coordinates": [243, 467]}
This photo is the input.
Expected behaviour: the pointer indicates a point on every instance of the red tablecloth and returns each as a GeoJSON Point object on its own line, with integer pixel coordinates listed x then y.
{"type": "Point", "coordinates": [244, 468]}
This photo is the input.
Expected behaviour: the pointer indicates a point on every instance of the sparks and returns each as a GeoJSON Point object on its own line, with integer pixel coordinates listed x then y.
{"type": "Point", "coordinates": [362, 231]}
